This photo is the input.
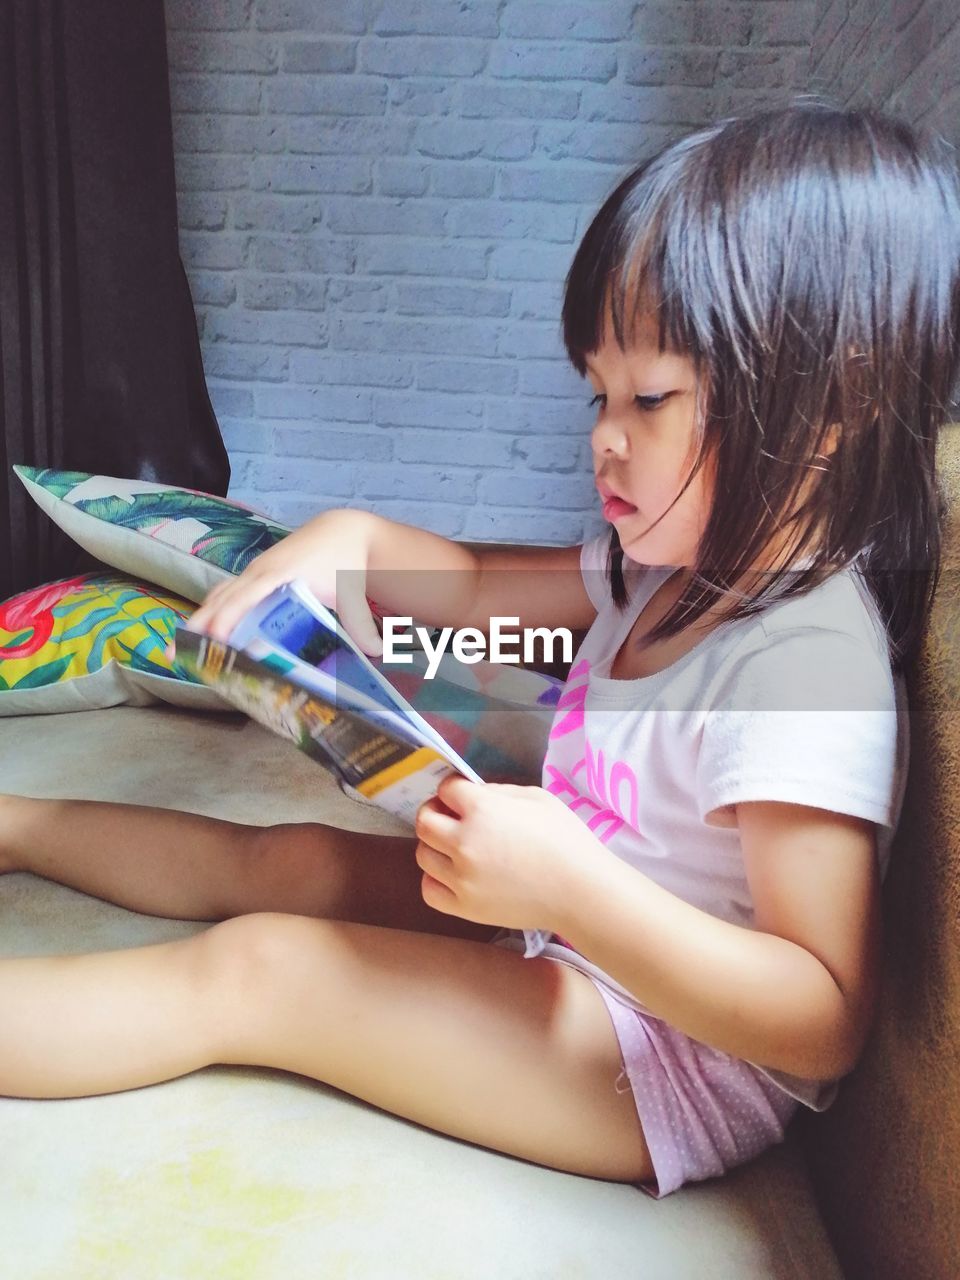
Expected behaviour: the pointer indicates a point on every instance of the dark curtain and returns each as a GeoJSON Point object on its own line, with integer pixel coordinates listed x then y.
{"type": "Point", "coordinates": [100, 366]}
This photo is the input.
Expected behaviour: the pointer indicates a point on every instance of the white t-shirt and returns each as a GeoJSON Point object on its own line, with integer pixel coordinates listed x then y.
{"type": "Point", "coordinates": [796, 703]}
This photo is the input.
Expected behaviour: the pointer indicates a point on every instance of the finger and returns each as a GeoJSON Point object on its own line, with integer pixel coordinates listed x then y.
{"type": "Point", "coordinates": [439, 896]}
{"type": "Point", "coordinates": [201, 614]}
{"type": "Point", "coordinates": [236, 605]}
{"type": "Point", "coordinates": [218, 589]}
{"type": "Point", "coordinates": [213, 604]}
{"type": "Point", "coordinates": [434, 889]}
{"type": "Point", "coordinates": [431, 860]}
{"type": "Point", "coordinates": [354, 612]}
{"type": "Point", "coordinates": [201, 618]}
{"type": "Point", "coordinates": [253, 577]}
{"type": "Point", "coordinates": [440, 830]}
{"type": "Point", "coordinates": [456, 792]}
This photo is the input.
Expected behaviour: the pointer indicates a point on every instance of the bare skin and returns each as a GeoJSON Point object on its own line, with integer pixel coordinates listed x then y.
{"type": "Point", "coordinates": [325, 961]}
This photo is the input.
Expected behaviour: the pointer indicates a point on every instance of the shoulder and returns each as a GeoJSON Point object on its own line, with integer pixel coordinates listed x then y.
{"type": "Point", "coordinates": [840, 605]}
{"type": "Point", "coordinates": [824, 650]}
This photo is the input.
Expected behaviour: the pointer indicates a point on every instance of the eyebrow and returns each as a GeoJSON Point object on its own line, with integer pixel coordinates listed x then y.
{"type": "Point", "coordinates": [662, 377]}
{"type": "Point", "coordinates": [659, 356]}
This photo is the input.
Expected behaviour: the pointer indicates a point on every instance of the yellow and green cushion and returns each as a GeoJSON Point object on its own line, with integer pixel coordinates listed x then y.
{"type": "Point", "coordinates": [92, 641]}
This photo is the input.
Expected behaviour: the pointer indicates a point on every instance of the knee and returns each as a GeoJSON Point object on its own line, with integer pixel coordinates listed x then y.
{"type": "Point", "coordinates": [246, 952]}
{"type": "Point", "coordinates": [289, 860]}
{"type": "Point", "coordinates": [270, 846]}
{"type": "Point", "coordinates": [248, 964]}
{"type": "Point", "coordinates": [284, 840]}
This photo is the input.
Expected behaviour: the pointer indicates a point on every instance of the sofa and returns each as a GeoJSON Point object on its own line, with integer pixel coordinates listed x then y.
{"type": "Point", "coordinates": [247, 1172]}
{"type": "Point", "coordinates": [884, 1160]}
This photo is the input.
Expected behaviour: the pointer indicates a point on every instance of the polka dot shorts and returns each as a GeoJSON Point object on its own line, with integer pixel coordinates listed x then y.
{"type": "Point", "coordinates": [702, 1111]}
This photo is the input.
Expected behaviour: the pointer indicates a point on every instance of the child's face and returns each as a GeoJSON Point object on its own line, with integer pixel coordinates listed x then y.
{"type": "Point", "coordinates": [644, 447]}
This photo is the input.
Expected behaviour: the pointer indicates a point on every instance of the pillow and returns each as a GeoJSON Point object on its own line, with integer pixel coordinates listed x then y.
{"type": "Point", "coordinates": [92, 641]}
{"type": "Point", "coordinates": [184, 540]}
{"type": "Point", "coordinates": [188, 542]}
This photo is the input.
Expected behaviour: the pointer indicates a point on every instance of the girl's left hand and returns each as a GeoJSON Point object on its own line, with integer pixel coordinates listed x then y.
{"type": "Point", "coordinates": [501, 854]}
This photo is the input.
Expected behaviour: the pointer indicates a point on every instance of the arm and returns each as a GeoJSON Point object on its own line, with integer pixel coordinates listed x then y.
{"type": "Point", "coordinates": [796, 993]}
{"type": "Point", "coordinates": [441, 582]}
{"type": "Point", "coordinates": [346, 555]}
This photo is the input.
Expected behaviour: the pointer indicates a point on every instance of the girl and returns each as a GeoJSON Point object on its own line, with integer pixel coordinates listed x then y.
{"type": "Point", "coordinates": [767, 312]}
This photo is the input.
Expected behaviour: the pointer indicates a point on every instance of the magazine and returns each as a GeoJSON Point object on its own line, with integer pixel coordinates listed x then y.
{"type": "Point", "coordinates": [385, 730]}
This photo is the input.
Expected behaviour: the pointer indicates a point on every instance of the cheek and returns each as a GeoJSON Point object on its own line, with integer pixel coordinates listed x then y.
{"type": "Point", "coordinates": [659, 471]}
{"type": "Point", "coordinates": [663, 475]}
{"type": "Point", "coordinates": [653, 483]}
{"type": "Point", "coordinates": [659, 489]}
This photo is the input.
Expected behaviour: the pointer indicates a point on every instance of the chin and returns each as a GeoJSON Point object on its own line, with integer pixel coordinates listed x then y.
{"type": "Point", "coordinates": [651, 557]}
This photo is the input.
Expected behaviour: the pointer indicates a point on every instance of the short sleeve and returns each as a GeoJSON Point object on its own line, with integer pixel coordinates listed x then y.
{"type": "Point", "coordinates": [593, 564]}
{"type": "Point", "coordinates": [808, 717]}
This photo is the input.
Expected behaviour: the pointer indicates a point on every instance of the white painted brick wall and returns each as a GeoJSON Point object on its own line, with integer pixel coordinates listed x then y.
{"type": "Point", "coordinates": [379, 201]}
{"type": "Point", "coordinates": [902, 55]}
{"type": "Point", "coordinates": [898, 55]}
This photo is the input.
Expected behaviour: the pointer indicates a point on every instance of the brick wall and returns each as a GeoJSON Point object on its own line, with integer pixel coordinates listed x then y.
{"type": "Point", "coordinates": [899, 55]}
{"type": "Point", "coordinates": [379, 200]}
{"type": "Point", "coordinates": [902, 55]}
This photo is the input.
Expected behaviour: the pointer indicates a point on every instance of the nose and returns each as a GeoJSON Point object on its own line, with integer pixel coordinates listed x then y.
{"type": "Point", "coordinates": [609, 437]}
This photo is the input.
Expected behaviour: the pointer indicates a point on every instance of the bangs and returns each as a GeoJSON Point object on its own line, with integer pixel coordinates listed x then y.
{"type": "Point", "coordinates": [630, 268]}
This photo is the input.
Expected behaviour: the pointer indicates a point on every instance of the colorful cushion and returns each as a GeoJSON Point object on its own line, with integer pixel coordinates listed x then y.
{"type": "Point", "coordinates": [184, 540]}
{"type": "Point", "coordinates": [188, 542]}
{"type": "Point", "coordinates": [92, 641]}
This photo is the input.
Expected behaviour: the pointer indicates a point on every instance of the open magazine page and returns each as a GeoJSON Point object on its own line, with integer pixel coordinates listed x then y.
{"type": "Point", "coordinates": [305, 639]}
{"type": "Point", "coordinates": [491, 720]}
{"type": "Point", "coordinates": [396, 772]}
{"type": "Point", "coordinates": [290, 667]}
{"type": "Point", "coordinates": [496, 717]}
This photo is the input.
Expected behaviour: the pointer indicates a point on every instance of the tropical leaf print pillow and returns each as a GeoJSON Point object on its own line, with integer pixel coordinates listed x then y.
{"type": "Point", "coordinates": [92, 641]}
{"type": "Point", "coordinates": [186, 541]}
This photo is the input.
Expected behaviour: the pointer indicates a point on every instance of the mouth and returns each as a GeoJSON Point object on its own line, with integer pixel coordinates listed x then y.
{"type": "Point", "coordinates": [614, 507]}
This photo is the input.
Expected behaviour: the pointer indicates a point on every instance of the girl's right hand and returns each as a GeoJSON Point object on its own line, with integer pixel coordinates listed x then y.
{"type": "Point", "coordinates": [330, 554]}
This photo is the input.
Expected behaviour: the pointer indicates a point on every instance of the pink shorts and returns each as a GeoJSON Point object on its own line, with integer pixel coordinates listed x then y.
{"type": "Point", "coordinates": [702, 1111]}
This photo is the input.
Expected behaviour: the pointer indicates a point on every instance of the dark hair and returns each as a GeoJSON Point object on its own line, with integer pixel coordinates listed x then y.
{"type": "Point", "coordinates": [807, 259]}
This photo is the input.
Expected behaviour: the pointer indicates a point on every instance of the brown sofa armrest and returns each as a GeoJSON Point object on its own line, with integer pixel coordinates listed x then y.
{"type": "Point", "coordinates": [885, 1158]}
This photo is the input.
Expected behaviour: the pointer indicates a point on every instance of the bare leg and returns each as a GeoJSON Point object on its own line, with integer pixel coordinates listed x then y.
{"type": "Point", "coordinates": [470, 1040]}
{"type": "Point", "coordinates": [186, 866]}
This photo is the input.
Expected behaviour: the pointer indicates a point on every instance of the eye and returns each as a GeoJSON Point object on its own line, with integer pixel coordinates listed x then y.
{"type": "Point", "coordinates": [649, 403]}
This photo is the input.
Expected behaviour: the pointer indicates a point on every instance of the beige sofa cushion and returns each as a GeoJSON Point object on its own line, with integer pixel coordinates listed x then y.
{"type": "Point", "coordinates": [247, 1172]}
